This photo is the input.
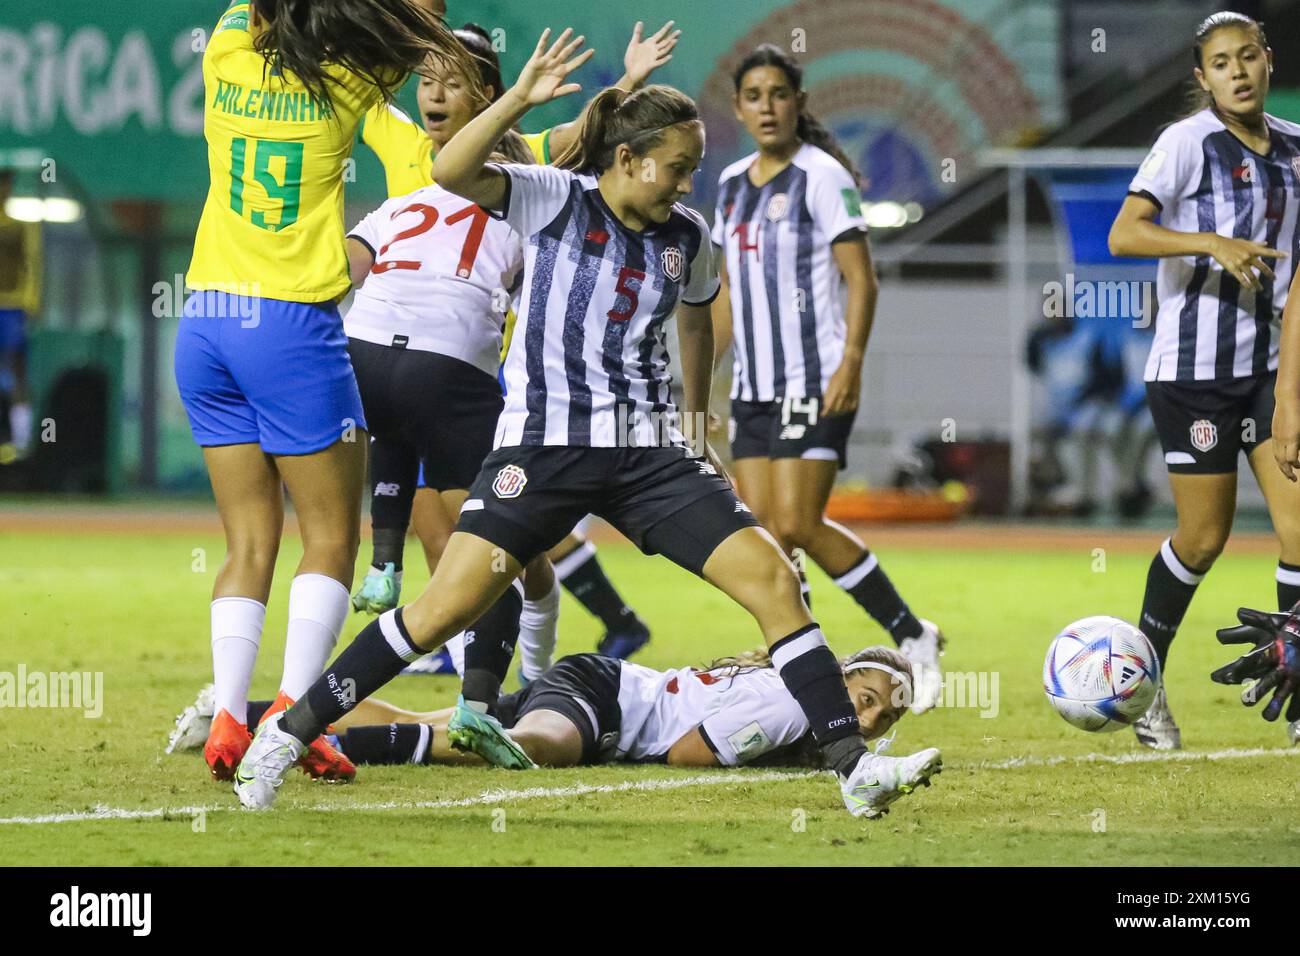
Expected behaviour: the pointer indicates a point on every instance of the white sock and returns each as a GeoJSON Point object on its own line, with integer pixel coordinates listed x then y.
{"type": "Point", "coordinates": [456, 648]}
{"type": "Point", "coordinates": [318, 606]}
{"type": "Point", "coordinates": [538, 625]}
{"type": "Point", "coordinates": [236, 633]}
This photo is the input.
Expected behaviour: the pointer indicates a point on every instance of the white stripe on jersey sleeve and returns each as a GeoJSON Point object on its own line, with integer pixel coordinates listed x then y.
{"type": "Point", "coordinates": [535, 196]}
{"type": "Point", "coordinates": [756, 716]}
{"type": "Point", "coordinates": [1172, 170]}
{"type": "Point", "coordinates": [833, 199]}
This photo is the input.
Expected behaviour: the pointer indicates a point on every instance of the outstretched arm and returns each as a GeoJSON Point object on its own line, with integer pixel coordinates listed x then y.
{"type": "Point", "coordinates": [642, 58]}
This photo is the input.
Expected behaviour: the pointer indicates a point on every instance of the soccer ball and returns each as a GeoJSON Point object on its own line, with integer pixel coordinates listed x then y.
{"type": "Point", "coordinates": [1101, 673]}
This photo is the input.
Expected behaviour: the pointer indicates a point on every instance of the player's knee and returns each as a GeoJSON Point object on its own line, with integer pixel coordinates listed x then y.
{"type": "Point", "coordinates": [795, 530]}
{"type": "Point", "coordinates": [253, 556]}
{"type": "Point", "coordinates": [1201, 549]}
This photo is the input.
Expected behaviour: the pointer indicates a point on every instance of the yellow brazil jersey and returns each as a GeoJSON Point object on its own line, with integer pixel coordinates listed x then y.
{"type": "Point", "coordinates": [272, 225]}
{"type": "Point", "coordinates": [406, 152]}
{"type": "Point", "coordinates": [403, 148]}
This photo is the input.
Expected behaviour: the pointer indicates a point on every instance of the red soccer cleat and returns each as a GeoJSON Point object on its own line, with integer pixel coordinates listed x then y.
{"type": "Point", "coordinates": [227, 741]}
{"type": "Point", "coordinates": [320, 761]}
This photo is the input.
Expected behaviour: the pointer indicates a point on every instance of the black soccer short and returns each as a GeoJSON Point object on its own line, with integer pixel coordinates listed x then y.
{"type": "Point", "coordinates": [442, 407]}
{"type": "Point", "coordinates": [582, 687]}
{"type": "Point", "coordinates": [1203, 426]}
{"type": "Point", "coordinates": [789, 428]}
{"type": "Point", "coordinates": [527, 499]}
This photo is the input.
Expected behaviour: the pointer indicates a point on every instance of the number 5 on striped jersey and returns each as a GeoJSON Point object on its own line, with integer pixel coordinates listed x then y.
{"type": "Point", "coordinates": [633, 299]}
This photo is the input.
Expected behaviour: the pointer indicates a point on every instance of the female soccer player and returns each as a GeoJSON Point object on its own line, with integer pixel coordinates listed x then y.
{"type": "Point", "coordinates": [406, 151]}
{"type": "Point", "coordinates": [261, 360]}
{"type": "Point", "coordinates": [1223, 182]}
{"type": "Point", "coordinates": [589, 709]}
{"type": "Point", "coordinates": [589, 425]}
{"type": "Point", "coordinates": [790, 224]}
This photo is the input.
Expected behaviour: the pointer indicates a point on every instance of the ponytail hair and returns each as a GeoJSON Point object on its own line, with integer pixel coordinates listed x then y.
{"type": "Point", "coordinates": [616, 117]}
{"type": "Point", "coordinates": [380, 41]}
{"type": "Point", "coordinates": [1198, 99]}
{"type": "Point", "coordinates": [810, 130]}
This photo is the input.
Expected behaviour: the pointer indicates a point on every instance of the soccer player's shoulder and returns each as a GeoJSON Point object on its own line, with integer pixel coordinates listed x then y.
{"type": "Point", "coordinates": [688, 221]}
{"type": "Point", "coordinates": [1285, 127]}
{"type": "Point", "coordinates": [738, 168]}
{"type": "Point", "coordinates": [817, 162]}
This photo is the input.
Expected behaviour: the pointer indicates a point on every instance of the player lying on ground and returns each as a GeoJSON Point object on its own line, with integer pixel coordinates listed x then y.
{"type": "Point", "coordinates": [590, 426]}
{"type": "Point", "coordinates": [1222, 181]}
{"type": "Point", "coordinates": [590, 709]}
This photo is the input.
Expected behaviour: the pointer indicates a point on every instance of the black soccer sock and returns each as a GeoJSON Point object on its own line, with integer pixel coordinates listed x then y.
{"type": "Point", "coordinates": [583, 577]}
{"type": "Point", "coordinates": [813, 677]}
{"type": "Point", "coordinates": [868, 584]}
{"type": "Point", "coordinates": [489, 649]}
{"type": "Point", "coordinates": [374, 657]}
{"type": "Point", "coordinates": [1170, 586]}
{"type": "Point", "coordinates": [394, 469]}
{"type": "Point", "coordinates": [256, 710]}
{"type": "Point", "coordinates": [387, 744]}
{"type": "Point", "coordinates": [1288, 585]}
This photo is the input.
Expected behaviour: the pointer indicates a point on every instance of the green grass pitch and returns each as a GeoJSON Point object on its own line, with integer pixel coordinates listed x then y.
{"type": "Point", "coordinates": [1018, 787]}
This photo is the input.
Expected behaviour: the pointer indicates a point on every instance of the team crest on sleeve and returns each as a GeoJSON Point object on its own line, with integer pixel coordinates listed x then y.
{"type": "Point", "coordinates": [509, 482]}
{"type": "Point", "coordinates": [777, 207]}
{"type": "Point", "coordinates": [673, 261]}
{"type": "Point", "coordinates": [1204, 435]}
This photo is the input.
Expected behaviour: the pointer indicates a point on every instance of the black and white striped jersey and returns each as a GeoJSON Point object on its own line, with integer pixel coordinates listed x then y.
{"type": "Point", "coordinates": [588, 361]}
{"type": "Point", "coordinates": [786, 290]}
{"type": "Point", "coordinates": [1204, 179]}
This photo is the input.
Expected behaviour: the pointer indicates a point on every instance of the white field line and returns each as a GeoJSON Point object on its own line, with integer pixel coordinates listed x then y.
{"type": "Point", "coordinates": [1145, 756]}
{"type": "Point", "coordinates": [496, 797]}
{"type": "Point", "coordinates": [487, 798]}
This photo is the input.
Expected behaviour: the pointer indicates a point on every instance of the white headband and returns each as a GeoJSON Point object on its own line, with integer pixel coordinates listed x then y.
{"type": "Point", "coordinates": [899, 676]}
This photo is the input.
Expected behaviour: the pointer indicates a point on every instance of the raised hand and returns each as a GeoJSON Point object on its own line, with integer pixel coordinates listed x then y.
{"type": "Point", "coordinates": [643, 57]}
{"type": "Point", "coordinates": [542, 78]}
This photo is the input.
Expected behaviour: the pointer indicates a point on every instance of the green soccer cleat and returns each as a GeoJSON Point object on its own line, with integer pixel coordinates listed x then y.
{"type": "Point", "coordinates": [380, 590]}
{"type": "Point", "coordinates": [474, 732]}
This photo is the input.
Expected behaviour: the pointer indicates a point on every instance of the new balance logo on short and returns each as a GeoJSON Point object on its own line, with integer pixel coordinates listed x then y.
{"type": "Point", "coordinates": [389, 489]}
{"type": "Point", "coordinates": [792, 432]}
{"type": "Point", "coordinates": [741, 506]}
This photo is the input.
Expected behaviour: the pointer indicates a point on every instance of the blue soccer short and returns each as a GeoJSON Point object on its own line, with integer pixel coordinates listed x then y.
{"type": "Point", "coordinates": [265, 371]}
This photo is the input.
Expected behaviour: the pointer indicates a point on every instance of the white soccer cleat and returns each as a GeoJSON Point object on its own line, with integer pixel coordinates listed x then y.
{"type": "Point", "coordinates": [1156, 728]}
{"type": "Point", "coordinates": [927, 675]}
{"type": "Point", "coordinates": [877, 781]}
{"type": "Point", "coordinates": [1293, 733]}
{"type": "Point", "coordinates": [270, 756]}
{"type": "Point", "coordinates": [193, 723]}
